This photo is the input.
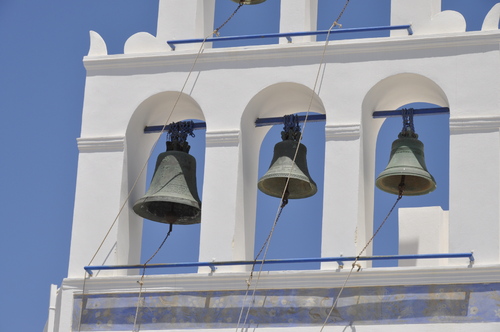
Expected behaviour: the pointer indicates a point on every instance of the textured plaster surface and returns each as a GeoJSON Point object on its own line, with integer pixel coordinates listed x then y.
{"type": "Point", "coordinates": [164, 310]}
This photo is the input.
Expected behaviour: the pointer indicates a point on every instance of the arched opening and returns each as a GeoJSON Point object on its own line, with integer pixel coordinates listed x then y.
{"type": "Point", "coordinates": [434, 133]}
{"type": "Point", "coordinates": [296, 236]}
{"type": "Point", "coordinates": [298, 231]}
{"type": "Point", "coordinates": [183, 243]}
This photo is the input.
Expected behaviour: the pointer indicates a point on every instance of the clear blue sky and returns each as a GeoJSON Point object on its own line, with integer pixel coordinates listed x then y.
{"type": "Point", "coordinates": [42, 83]}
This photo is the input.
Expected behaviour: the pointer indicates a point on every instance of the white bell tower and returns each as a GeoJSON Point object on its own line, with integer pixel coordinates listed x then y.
{"type": "Point", "coordinates": [152, 84]}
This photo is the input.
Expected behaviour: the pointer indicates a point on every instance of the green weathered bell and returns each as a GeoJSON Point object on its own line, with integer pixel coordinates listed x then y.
{"type": "Point", "coordinates": [407, 159]}
{"type": "Point", "coordinates": [282, 166]}
{"type": "Point", "coordinates": [286, 178]}
{"type": "Point", "coordinates": [248, 2]}
{"type": "Point", "coordinates": [172, 197]}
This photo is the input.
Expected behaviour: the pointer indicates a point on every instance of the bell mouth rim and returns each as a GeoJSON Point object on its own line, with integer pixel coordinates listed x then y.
{"type": "Point", "coordinates": [305, 193]}
{"type": "Point", "coordinates": [175, 220]}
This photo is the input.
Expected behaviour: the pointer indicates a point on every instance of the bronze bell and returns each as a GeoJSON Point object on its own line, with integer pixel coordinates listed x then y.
{"type": "Point", "coordinates": [407, 167]}
{"type": "Point", "coordinates": [249, 2]}
{"type": "Point", "coordinates": [172, 197]}
{"type": "Point", "coordinates": [282, 166]}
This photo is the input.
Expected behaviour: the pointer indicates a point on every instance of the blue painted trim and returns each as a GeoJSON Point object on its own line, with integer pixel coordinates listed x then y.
{"type": "Point", "coordinates": [288, 35]}
{"type": "Point", "coordinates": [339, 260]}
{"type": "Point", "coordinates": [421, 111]}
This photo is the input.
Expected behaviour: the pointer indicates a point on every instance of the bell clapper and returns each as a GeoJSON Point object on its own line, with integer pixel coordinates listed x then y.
{"type": "Point", "coordinates": [284, 202]}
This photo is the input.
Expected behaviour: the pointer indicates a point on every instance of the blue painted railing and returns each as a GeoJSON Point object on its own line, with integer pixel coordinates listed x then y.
{"type": "Point", "coordinates": [289, 35]}
{"type": "Point", "coordinates": [339, 260]}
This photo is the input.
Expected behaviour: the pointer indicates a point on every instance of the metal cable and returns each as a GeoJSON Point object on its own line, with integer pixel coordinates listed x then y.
{"type": "Point", "coordinates": [335, 23]}
{"type": "Point", "coordinates": [401, 190]}
{"type": "Point", "coordinates": [216, 31]}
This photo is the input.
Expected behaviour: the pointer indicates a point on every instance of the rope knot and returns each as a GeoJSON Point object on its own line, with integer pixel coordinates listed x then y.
{"type": "Point", "coordinates": [284, 202]}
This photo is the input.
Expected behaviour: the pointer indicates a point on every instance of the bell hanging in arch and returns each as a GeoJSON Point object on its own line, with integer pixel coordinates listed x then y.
{"type": "Point", "coordinates": [300, 184]}
{"type": "Point", "coordinates": [406, 164]}
{"type": "Point", "coordinates": [172, 197]}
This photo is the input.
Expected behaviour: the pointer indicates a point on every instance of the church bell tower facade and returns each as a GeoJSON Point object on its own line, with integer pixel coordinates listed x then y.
{"type": "Point", "coordinates": [434, 60]}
